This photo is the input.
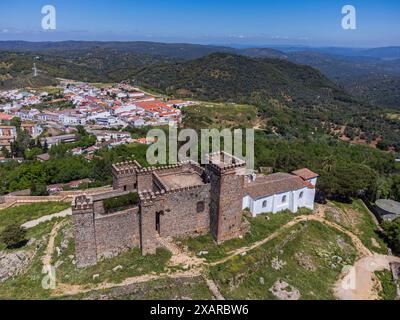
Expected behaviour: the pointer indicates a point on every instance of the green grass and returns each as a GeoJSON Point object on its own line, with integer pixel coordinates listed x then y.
{"type": "Point", "coordinates": [388, 291]}
{"type": "Point", "coordinates": [25, 213]}
{"type": "Point", "coordinates": [261, 228]}
{"type": "Point", "coordinates": [133, 263]}
{"type": "Point", "coordinates": [28, 285]}
{"type": "Point", "coordinates": [239, 277]}
{"type": "Point", "coordinates": [365, 228]}
{"type": "Point", "coordinates": [162, 289]}
{"type": "Point", "coordinates": [219, 115]}
{"type": "Point", "coordinates": [50, 90]}
{"type": "Point", "coordinates": [102, 85]}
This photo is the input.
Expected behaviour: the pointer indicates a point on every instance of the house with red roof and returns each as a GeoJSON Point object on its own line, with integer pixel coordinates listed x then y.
{"type": "Point", "coordinates": [5, 117]}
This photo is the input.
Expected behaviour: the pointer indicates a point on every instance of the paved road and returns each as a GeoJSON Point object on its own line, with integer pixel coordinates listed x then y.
{"type": "Point", "coordinates": [34, 223]}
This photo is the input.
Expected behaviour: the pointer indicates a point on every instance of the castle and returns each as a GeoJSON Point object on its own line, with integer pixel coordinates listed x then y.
{"type": "Point", "coordinates": [182, 200]}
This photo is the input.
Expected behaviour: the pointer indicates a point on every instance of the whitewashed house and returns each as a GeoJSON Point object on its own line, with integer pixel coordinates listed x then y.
{"type": "Point", "coordinates": [280, 191]}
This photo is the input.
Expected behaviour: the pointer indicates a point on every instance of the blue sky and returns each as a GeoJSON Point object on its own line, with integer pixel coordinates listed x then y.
{"type": "Point", "coordinates": [255, 22]}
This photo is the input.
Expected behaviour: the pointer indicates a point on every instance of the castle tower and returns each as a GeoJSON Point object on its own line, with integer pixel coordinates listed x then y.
{"type": "Point", "coordinates": [84, 229]}
{"type": "Point", "coordinates": [227, 175]}
{"type": "Point", "coordinates": [125, 176]}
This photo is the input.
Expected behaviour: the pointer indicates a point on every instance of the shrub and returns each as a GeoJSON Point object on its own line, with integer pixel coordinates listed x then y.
{"type": "Point", "coordinates": [391, 232]}
{"type": "Point", "coordinates": [39, 189]}
{"type": "Point", "coordinates": [13, 236]}
{"type": "Point", "coordinates": [117, 203]}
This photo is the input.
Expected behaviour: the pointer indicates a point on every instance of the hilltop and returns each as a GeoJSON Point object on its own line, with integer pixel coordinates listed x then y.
{"type": "Point", "coordinates": [294, 100]}
{"type": "Point", "coordinates": [229, 77]}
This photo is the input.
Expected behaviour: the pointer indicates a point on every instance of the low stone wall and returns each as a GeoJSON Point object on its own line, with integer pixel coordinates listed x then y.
{"type": "Point", "coordinates": [11, 200]}
{"type": "Point", "coordinates": [26, 192]}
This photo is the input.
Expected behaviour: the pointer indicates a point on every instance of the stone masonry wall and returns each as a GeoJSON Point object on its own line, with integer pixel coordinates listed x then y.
{"type": "Point", "coordinates": [214, 203]}
{"type": "Point", "coordinates": [117, 232]}
{"type": "Point", "coordinates": [144, 181]}
{"type": "Point", "coordinates": [230, 206]}
{"type": "Point", "coordinates": [85, 240]}
{"type": "Point", "coordinates": [148, 232]}
{"type": "Point", "coordinates": [226, 203]}
{"type": "Point", "coordinates": [180, 215]}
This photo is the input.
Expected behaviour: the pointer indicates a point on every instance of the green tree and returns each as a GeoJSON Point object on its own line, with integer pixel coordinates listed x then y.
{"type": "Point", "coordinates": [391, 231]}
{"type": "Point", "coordinates": [396, 187]}
{"type": "Point", "coordinates": [13, 236]}
{"type": "Point", "coordinates": [16, 122]}
{"type": "Point", "coordinates": [348, 180]}
{"type": "Point", "coordinates": [5, 152]}
{"type": "Point", "coordinates": [39, 189]}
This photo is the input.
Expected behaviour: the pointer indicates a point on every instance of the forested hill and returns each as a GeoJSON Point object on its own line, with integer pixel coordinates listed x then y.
{"type": "Point", "coordinates": [293, 99]}
{"type": "Point", "coordinates": [229, 77]}
{"type": "Point", "coordinates": [94, 65]}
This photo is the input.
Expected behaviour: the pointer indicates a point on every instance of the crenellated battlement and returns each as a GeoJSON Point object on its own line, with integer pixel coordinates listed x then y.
{"type": "Point", "coordinates": [82, 202]}
{"type": "Point", "coordinates": [128, 167]}
{"type": "Point", "coordinates": [222, 162]}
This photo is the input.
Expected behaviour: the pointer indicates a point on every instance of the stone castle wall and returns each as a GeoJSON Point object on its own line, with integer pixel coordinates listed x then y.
{"type": "Point", "coordinates": [181, 216]}
{"type": "Point", "coordinates": [117, 232]}
{"type": "Point", "coordinates": [85, 239]}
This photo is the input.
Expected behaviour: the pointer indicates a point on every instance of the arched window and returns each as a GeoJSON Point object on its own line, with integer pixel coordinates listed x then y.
{"type": "Point", "coordinates": [264, 204]}
{"type": "Point", "coordinates": [284, 198]}
{"type": "Point", "coordinates": [301, 195]}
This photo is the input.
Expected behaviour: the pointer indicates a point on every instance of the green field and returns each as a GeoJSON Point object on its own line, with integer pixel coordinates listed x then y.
{"type": "Point", "coordinates": [162, 289]}
{"type": "Point", "coordinates": [261, 227]}
{"type": "Point", "coordinates": [131, 261]}
{"type": "Point", "coordinates": [388, 287]}
{"type": "Point", "coordinates": [25, 213]}
{"type": "Point", "coordinates": [28, 284]}
{"type": "Point", "coordinates": [219, 115]}
{"type": "Point", "coordinates": [356, 218]}
{"type": "Point", "coordinates": [308, 256]}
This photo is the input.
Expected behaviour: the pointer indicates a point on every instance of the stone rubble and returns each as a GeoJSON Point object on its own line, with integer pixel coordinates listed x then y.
{"type": "Point", "coordinates": [13, 263]}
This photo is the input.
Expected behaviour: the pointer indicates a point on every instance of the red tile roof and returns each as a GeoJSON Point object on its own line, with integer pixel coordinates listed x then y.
{"type": "Point", "coordinates": [5, 117]}
{"type": "Point", "coordinates": [309, 185]}
{"type": "Point", "coordinates": [305, 174]}
{"type": "Point", "coordinates": [155, 106]}
{"type": "Point", "coordinates": [273, 184]}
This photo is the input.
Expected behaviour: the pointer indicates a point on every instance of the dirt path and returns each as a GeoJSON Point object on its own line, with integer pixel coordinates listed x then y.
{"type": "Point", "coordinates": [50, 245]}
{"type": "Point", "coordinates": [363, 275]}
{"type": "Point", "coordinates": [257, 244]}
{"type": "Point", "coordinates": [179, 257]}
{"type": "Point", "coordinates": [359, 282]}
{"type": "Point", "coordinates": [214, 289]}
{"type": "Point", "coordinates": [34, 223]}
{"type": "Point", "coordinates": [71, 290]}
{"type": "Point", "coordinates": [318, 216]}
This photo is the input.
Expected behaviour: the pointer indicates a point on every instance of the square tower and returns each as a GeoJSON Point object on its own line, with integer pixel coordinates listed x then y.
{"type": "Point", "coordinates": [227, 174]}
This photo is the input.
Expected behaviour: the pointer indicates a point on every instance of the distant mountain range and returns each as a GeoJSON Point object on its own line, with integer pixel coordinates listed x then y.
{"type": "Point", "coordinates": [295, 92]}
{"type": "Point", "coordinates": [372, 75]}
